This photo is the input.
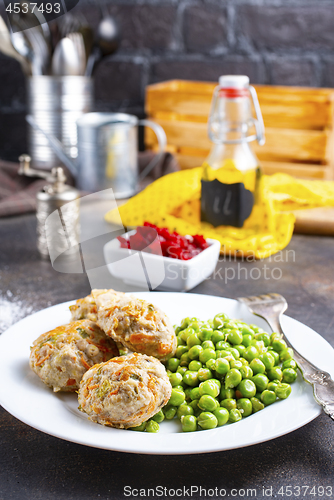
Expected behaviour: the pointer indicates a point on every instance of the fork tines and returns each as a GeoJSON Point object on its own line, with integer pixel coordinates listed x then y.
{"type": "Point", "coordinates": [269, 297]}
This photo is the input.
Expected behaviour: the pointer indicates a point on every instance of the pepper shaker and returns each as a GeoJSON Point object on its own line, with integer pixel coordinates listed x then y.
{"type": "Point", "coordinates": [55, 195]}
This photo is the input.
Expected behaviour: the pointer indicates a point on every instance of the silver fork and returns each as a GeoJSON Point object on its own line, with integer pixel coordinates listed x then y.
{"type": "Point", "coordinates": [270, 307]}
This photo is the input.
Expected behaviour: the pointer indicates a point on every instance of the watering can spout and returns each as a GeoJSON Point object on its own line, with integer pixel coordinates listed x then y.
{"type": "Point", "coordinates": [56, 145]}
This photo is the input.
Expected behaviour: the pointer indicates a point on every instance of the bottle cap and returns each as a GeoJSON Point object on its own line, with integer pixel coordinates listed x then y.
{"type": "Point", "coordinates": [234, 81]}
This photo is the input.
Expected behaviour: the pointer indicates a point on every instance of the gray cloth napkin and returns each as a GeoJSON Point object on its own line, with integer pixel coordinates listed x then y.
{"type": "Point", "coordinates": [18, 193]}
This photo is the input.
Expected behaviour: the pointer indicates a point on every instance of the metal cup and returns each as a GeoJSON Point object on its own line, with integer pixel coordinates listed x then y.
{"type": "Point", "coordinates": [56, 103]}
{"type": "Point", "coordinates": [108, 152]}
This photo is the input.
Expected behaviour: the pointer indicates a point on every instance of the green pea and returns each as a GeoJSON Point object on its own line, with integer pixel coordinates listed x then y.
{"type": "Point", "coordinates": [241, 348]}
{"type": "Point", "coordinates": [268, 397]}
{"type": "Point", "coordinates": [190, 378]}
{"type": "Point", "coordinates": [187, 392]}
{"type": "Point", "coordinates": [247, 330]}
{"type": "Point", "coordinates": [218, 322]}
{"type": "Point", "coordinates": [217, 382]}
{"type": "Point", "coordinates": [179, 388]}
{"type": "Point", "coordinates": [207, 354]}
{"type": "Point", "coordinates": [184, 360]}
{"type": "Point", "coordinates": [175, 379]}
{"type": "Point", "coordinates": [244, 361]}
{"type": "Point", "coordinates": [184, 323]}
{"type": "Point", "coordinates": [272, 385]}
{"type": "Point", "coordinates": [289, 375]}
{"type": "Point", "coordinates": [227, 393]}
{"type": "Point", "coordinates": [189, 423]}
{"type": "Point", "coordinates": [275, 373]}
{"type": "Point", "coordinates": [223, 316]}
{"type": "Point", "coordinates": [221, 345]}
{"type": "Point", "coordinates": [192, 340]}
{"type": "Point", "coordinates": [224, 354]}
{"type": "Point", "coordinates": [256, 328]}
{"type": "Point", "coordinates": [257, 405]}
{"type": "Point", "coordinates": [286, 354]}
{"type": "Point", "coordinates": [195, 325]}
{"type": "Point", "coordinates": [235, 352]}
{"type": "Point", "coordinates": [247, 340]}
{"type": "Point", "coordinates": [222, 366]}
{"type": "Point", "coordinates": [187, 333]}
{"type": "Point", "coordinates": [232, 378]}
{"type": "Point", "coordinates": [244, 405]}
{"type": "Point", "coordinates": [194, 406]}
{"type": "Point", "coordinates": [251, 353]}
{"type": "Point", "coordinates": [229, 404]}
{"type": "Point", "coordinates": [234, 415]}
{"type": "Point", "coordinates": [184, 410]}
{"type": "Point", "coordinates": [236, 363]}
{"type": "Point", "coordinates": [290, 363]}
{"type": "Point", "coordinates": [261, 381]}
{"type": "Point", "coordinates": [257, 366]}
{"type": "Point", "coordinates": [169, 412]}
{"type": "Point", "coordinates": [173, 364]}
{"type": "Point", "coordinates": [283, 390]}
{"type": "Point", "coordinates": [222, 416]}
{"type": "Point", "coordinates": [205, 334]}
{"type": "Point", "coordinates": [211, 364]}
{"type": "Point", "coordinates": [265, 337]}
{"type": "Point", "coordinates": [182, 370]}
{"type": "Point", "coordinates": [207, 420]}
{"type": "Point", "coordinates": [278, 344]}
{"type": "Point", "coordinates": [139, 428]}
{"type": "Point", "coordinates": [194, 393]}
{"type": "Point", "coordinates": [159, 417]}
{"type": "Point", "coordinates": [218, 336]}
{"type": "Point", "coordinates": [247, 388]}
{"type": "Point", "coordinates": [209, 387]}
{"type": "Point", "coordinates": [204, 374]}
{"type": "Point", "coordinates": [259, 345]}
{"type": "Point", "coordinates": [152, 426]}
{"type": "Point", "coordinates": [267, 359]}
{"type": "Point", "coordinates": [207, 403]}
{"type": "Point", "coordinates": [208, 344]}
{"type": "Point", "coordinates": [246, 371]}
{"type": "Point", "coordinates": [180, 341]}
{"type": "Point", "coordinates": [275, 335]}
{"type": "Point", "coordinates": [195, 365]}
{"type": "Point", "coordinates": [195, 351]}
{"type": "Point", "coordinates": [181, 349]}
{"type": "Point", "coordinates": [177, 398]}
{"type": "Point", "coordinates": [275, 356]}
{"type": "Point", "coordinates": [234, 337]}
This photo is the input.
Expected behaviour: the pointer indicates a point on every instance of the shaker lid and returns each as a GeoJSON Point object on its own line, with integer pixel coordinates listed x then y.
{"type": "Point", "coordinates": [234, 81]}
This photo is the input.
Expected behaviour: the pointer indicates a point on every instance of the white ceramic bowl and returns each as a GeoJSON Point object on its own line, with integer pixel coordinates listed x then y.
{"type": "Point", "coordinates": [157, 272]}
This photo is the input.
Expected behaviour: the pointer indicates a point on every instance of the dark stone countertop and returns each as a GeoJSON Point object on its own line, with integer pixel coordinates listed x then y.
{"type": "Point", "coordinates": [36, 466]}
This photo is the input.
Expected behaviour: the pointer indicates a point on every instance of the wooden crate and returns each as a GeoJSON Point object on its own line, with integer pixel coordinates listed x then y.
{"type": "Point", "coordinates": [298, 121]}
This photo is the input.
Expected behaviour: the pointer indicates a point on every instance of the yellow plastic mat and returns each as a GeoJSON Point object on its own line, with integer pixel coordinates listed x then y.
{"type": "Point", "coordinates": [173, 201]}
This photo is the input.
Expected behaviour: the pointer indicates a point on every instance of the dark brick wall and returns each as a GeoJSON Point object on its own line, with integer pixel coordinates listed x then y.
{"type": "Point", "coordinates": [284, 42]}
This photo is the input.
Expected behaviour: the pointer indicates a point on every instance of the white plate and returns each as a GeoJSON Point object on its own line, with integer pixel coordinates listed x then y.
{"type": "Point", "coordinates": [24, 395]}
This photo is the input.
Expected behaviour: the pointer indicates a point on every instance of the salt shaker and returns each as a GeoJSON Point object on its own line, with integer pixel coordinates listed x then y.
{"type": "Point", "coordinates": [55, 195]}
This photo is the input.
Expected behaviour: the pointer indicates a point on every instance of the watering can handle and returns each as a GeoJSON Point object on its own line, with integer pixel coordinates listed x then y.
{"type": "Point", "coordinates": [162, 141]}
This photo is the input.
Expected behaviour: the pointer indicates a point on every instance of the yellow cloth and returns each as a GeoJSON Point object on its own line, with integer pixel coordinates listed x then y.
{"type": "Point", "coordinates": [173, 201]}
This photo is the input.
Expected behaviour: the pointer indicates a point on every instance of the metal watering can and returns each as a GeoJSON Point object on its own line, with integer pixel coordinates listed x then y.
{"type": "Point", "coordinates": [107, 152]}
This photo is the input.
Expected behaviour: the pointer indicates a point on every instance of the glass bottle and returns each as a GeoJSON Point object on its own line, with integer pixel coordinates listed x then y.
{"type": "Point", "coordinates": [231, 172]}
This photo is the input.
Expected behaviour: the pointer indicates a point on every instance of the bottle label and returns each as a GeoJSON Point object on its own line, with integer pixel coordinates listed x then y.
{"type": "Point", "coordinates": [225, 204]}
